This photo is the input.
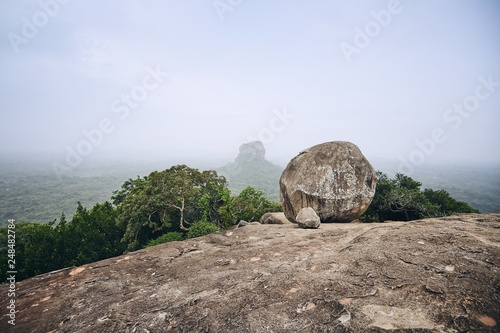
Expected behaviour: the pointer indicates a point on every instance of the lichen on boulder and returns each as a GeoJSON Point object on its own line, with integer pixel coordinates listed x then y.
{"type": "Point", "coordinates": [333, 178]}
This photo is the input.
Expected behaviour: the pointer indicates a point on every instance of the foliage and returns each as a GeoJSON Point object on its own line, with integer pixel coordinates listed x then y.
{"type": "Point", "coordinates": [446, 204]}
{"type": "Point", "coordinates": [249, 205]}
{"type": "Point", "coordinates": [400, 199]}
{"type": "Point", "coordinates": [159, 208]}
{"type": "Point", "coordinates": [30, 191]}
{"type": "Point", "coordinates": [255, 172]}
{"type": "Point", "coordinates": [90, 236]}
{"type": "Point", "coordinates": [168, 201]}
{"type": "Point", "coordinates": [201, 228]}
{"type": "Point", "coordinates": [165, 238]}
{"type": "Point", "coordinates": [41, 198]}
{"type": "Point", "coordinates": [34, 250]}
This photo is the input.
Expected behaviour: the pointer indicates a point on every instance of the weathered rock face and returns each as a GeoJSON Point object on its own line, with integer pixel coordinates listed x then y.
{"type": "Point", "coordinates": [307, 218]}
{"type": "Point", "coordinates": [349, 277]}
{"type": "Point", "coordinates": [333, 178]}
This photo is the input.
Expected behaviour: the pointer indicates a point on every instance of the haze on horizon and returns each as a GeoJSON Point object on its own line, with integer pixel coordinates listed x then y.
{"type": "Point", "coordinates": [403, 80]}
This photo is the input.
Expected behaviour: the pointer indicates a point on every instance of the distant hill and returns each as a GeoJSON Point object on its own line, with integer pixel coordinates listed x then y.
{"type": "Point", "coordinates": [250, 168]}
{"type": "Point", "coordinates": [30, 191]}
{"type": "Point", "coordinates": [478, 185]}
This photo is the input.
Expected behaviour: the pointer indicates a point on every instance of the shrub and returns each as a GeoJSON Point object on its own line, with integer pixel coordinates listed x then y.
{"type": "Point", "coordinates": [201, 228]}
{"type": "Point", "coordinates": [168, 237]}
{"type": "Point", "coordinates": [401, 199]}
{"type": "Point", "coordinates": [446, 204]}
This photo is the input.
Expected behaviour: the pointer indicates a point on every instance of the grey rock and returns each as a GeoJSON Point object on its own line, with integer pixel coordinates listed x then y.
{"type": "Point", "coordinates": [333, 178]}
{"type": "Point", "coordinates": [251, 151]}
{"type": "Point", "coordinates": [274, 218]}
{"type": "Point", "coordinates": [243, 223]}
{"type": "Point", "coordinates": [307, 218]}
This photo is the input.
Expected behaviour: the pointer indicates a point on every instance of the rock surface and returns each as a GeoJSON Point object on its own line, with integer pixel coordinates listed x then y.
{"type": "Point", "coordinates": [274, 218]}
{"type": "Point", "coordinates": [434, 275]}
{"type": "Point", "coordinates": [334, 178]}
{"type": "Point", "coordinates": [307, 218]}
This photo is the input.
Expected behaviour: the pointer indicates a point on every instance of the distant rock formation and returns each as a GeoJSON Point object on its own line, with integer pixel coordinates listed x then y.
{"type": "Point", "coordinates": [252, 151]}
{"type": "Point", "coordinates": [333, 178]}
{"type": "Point", "coordinates": [250, 168]}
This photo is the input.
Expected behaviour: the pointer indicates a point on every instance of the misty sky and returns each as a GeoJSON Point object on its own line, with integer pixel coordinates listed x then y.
{"type": "Point", "coordinates": [409, 80]}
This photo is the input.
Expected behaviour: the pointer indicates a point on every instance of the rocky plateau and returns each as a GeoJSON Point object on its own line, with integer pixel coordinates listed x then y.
{"type": "Point", "coordinates": [432, 275]}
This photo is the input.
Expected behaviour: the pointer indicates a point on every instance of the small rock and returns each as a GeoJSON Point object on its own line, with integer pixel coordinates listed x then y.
{"type": "Point", "coordinates": [449, 268]}
{"type": "Point", "coordinates": [434, 288]}
{"type": "Point", "coordinates": [242, 223]}
{"type": "Point", "coordinates": [345, 318]}
{"type": "Point", "coordinates": [307, 218]}
{"type": "Point", "coordinates": [487, 320]}
{"type": "Point", "coordinates": [274, 218]}
{"type": "Point", "coordinates": [222, 262]}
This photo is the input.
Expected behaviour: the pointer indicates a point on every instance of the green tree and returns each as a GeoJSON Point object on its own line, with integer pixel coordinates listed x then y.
{"type": "Point", "coordinates": [90, 236]}
{"type": "Point", "coordinates": [250, 205]}
{"type": "Point", "coordinates": [128, 185]}
{"type": "Point", "coordinates": [215, 195]}
{"type": "Point", "coordinates": [446, 204]}
{"type": "Point", "coordinates": [403, 204]}
{"type": "Point", "coordinates": [34, 250]}
{"type": "Point", "coordinates": [201, 228]}
{"type": "Point", "coordinates": [165, 238]}
{"type": "Point", "coordinates": [401, 199]}
{"type": "Point", "coordinates": [169, 200]}
{"type": "Point", "coordinates": [384, 187]}
{"type": "Point", "coordinates": [398, 199]}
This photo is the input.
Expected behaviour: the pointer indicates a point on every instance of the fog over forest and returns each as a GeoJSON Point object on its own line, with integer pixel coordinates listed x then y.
{"type": "Point", "coordinates": [95, 93]}
{"type": "Point", "coordinates": [412, 82]}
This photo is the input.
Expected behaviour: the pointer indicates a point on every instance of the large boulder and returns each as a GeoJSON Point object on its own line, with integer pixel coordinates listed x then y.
{"type": "Point", "coordinates": [333, 178]}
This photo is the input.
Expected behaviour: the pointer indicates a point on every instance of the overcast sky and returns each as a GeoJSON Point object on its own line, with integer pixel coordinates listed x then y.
{"type": "Point", "coordinates": [414, 81]}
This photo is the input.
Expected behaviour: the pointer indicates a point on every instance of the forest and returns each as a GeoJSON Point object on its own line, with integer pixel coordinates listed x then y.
{"type": "Point", "coordinates": [29, 190]}
{"type": "Point", "coordinates": [178, 203]}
